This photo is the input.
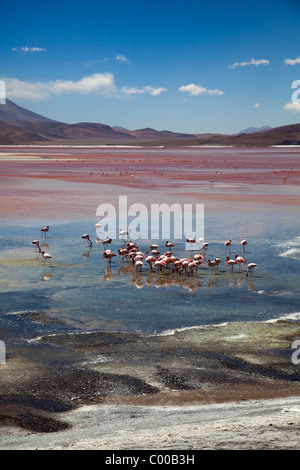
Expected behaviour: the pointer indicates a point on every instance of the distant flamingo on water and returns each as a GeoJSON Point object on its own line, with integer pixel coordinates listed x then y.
{"type": "Point", "coordinates": [108, 254]}
{"type": "Point", "coordinates": [47, 257]}
{"type": "Point", "coordinates": [44, 230]}
{"type": "Point", "coordinates": [138, 264]}
{"type": "Point", "coordinates": [169, 244]}
{"type": "Point", "coordinates": [227, 245]}
{"type": "Point", "coordinates": [123, 233]}
{"type": "Point", "coordinates": [230, 262]}
{"type": "Point", "coordinates": [250, 268]}
{"type": "Point", "coordinates": [107, 241]}
{"type": "Point", "coordinates": [150, 260]}
{"type": "Point", "coordinates": [212, 264]}
{"type": "Point", "coordinates": [191, 241]}
{"type": "Point", "coordinates": [87, 237]}
{"type": "Point", "coordinates": [205, 245]}
{"type": "Point", "coordinates": [37, 245]}
{"type": "Point", "coordinates": [218, 261]}
{"type": "Point", "coordinates": [244, 243]}
{"type": "Point", "coordinates": [240, 260]}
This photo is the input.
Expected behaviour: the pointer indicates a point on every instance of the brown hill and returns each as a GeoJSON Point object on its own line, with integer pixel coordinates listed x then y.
{"type": "Point", "coordinates": [11, 112]}
{"type": "Point", "coordinates": [21, 126]}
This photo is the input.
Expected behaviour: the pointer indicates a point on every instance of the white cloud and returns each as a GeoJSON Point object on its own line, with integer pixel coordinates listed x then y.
{"type": "Point", "coordinates": [119, 58]}
{"type": "Point", "coordinates": [29, 49]}
{"type": "Point", "coordinates": [195, 90]}
{"type": "Point", "coordinates": [146, 89]}
{"type": "Point", "coordinates": [293, 107]}
{"type": "Point", "coordinates": [98, 82]}
{"type": "Point", "coordinates": [28, 90]}
{"type": "Point", "coordinates": [251, 62]}
{"type": "Point", "coordinates": [101, 83]}
{"type": "Point", "coordinates": [292, 61]}
{"type": "Point", "coordinates": [122, 58]}
{"type": "Point", "coordinates": [257, 105]}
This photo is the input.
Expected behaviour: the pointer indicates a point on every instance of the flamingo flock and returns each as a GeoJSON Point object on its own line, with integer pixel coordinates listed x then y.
{"type": "Point", "coordinates": [168, 260]}
{"type": "Point", "coordinates": [163, 261]}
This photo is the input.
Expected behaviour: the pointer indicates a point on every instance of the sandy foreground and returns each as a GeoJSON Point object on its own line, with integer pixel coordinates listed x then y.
{"type": "Point", "coordinates": [180, 391]}
{"type": "Point", "coordinates": [260, 425]}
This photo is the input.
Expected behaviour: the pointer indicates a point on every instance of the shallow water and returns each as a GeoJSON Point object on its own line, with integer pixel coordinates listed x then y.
{"type": "Point", "coordinates": [82, 292]}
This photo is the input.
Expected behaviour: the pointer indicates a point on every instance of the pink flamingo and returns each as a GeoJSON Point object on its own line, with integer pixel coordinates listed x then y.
{"type": "Point", "coordinates": [153, 247]}
{"type": "Point", "coordinates": [108, 254]}
{"type": "Point", "coordinates": [47, 257]}
{"type": "Point", "coordinates": [169, 244]}
{"type": "Point", "coordinates": [244, 243]}
{"type": "Point", "coordinates": [204, 246]}
{"type": "Point", "coordinates": [160, 264]}
{"type": "Point", "coordinates": [227, 245]}
{"type": "Point", "coordinates": [138, 264]}
{"type": "Point", "coordinates": [217, 261]}
{"type": "Point", "coordinates": [191, 266]}
{"type": "Point", "coordinates": [123, 232]}
{"type": "Point", "coordinates": [230, 262]}
{"type": "Point", "coordinates": [37, 245]}
{"type": "Point", "coordinates": [251, 266]}
{"type": "Point", "coordinates": [123, 252]}
{"type": "Point", "coordinates": [240, 260]}
{"type": "Point", "coordinates": [155, 252]}
{"type": "Point", "coordinates": [191, 241]}
{"type": "Point", "coordinates": [87, 237]}
{"type": "Point", "coordinates": [150, 260]}
{"type": "Point", "coordinates": [106, 241]}
{"type": "Point", "coordinates": [44, 230]}
{"type": "Point", "coordinates": [212, 264]}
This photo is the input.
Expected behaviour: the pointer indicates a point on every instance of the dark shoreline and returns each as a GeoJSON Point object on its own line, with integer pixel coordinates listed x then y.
{"type": "Point", "coordinates": [214, 364]}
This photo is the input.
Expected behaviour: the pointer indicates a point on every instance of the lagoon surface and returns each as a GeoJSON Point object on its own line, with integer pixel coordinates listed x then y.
{"type": "Point", "coordinates": [252, 194]}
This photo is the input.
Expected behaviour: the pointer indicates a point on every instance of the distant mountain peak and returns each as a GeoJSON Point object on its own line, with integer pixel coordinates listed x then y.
{"type": "Point", "coordinates": [11, 112]}
{"type": "Point", "coordinates": [120, 128]}
{"type": "Point", "coordinates": [251, 130]}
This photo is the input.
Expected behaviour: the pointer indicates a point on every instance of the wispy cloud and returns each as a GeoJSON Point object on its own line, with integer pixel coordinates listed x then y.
{"type": "Point", "coordinates": [257, 105]}
{"type": "Point", "coordinates": [122, 58]}
{"type": "Point", "coordinates": [251, 62]}
{"type": "Point", "coordinates": [118, 58]}
{"type": "Point", "coordinates": [99, 83]}
{"type": "Point", "coordinates": [195, 90]}
{"type": "Point", "coordinates": [146, 89]}
{"type": "Point", "coordinates": [293, 107]}
{"type": "Point", "coordinates": [292, 61]}
{"type": "Point", "coordinates": [28, 49]}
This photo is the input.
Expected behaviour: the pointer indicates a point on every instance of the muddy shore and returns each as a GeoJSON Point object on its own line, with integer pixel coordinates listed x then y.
{"type": "Point", "coordinates": [194, 367]}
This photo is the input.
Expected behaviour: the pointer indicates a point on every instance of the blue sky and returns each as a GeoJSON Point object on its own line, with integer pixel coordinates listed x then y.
{"type": "Point", "coordinates": [192, 66]}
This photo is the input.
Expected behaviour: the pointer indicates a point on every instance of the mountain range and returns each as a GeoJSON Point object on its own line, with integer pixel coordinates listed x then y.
{"type": "Point", "coordinates": [21, 126]}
